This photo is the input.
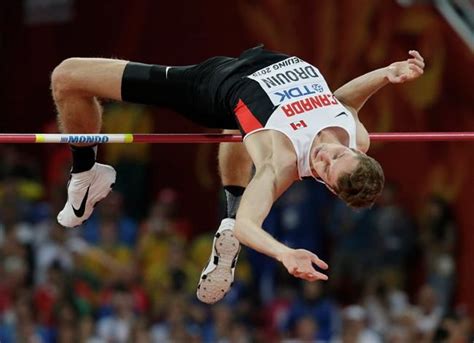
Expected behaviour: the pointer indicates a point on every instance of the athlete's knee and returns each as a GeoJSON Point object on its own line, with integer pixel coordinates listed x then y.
{"type": "Point", "coordinates": [64, 76]}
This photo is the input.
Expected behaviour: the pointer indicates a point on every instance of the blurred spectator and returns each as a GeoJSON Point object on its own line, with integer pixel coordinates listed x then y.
{"type": "Point", "coordinates": [16, 256]}
{"type": "Point", "coordinates": [140, 331]}
{"type": "Point", "coordinates": [175, 273]}
{"type": "Point", "coordinates": [111, 261]}
{"type": "Point", "coordinates": [21, 173]}
{"type": "Point", "coordinates": [163, 222]}
{"type": "Point", "coordinates": [313, 304]}
{"type": "Point", "coordinates": [66, 322]}
{"type": "Point", "coordinates": [86, 331]}
{"type": "Point", "coordinates": [117, 327]}
{"type": "Point", "coordinates": [355, 328]}
{"type": "Point", "coordinates": [199, 321]}
{"type": "Point", "coordinates": [49, 293]}
{"type": "Point", "coordinates": [427, 312]}
{"type": "Point", "coordinates": [16, 235]}
{"type": "Point", "coordinates": [438, 238]}
{"type": "Point", "coordinates": [402, 328]}
{"type": "Point", "coordinates": [277, 310]}
{"type": "Point", "coordinates": [384, 304]}
{"type": "Point", "coordinates": [57, 247]}
{"type": "Point", "coordinates": [131, 160]}
{"type": "Point", "coordinates": [109, 215]}
{"type": "Point", "coordinates": [306, 329]}
{"type": "Point", "coordinates": [223, 322]}
{"type": "Point", "coordinates": [455, 327]}
{"type": "Point", "coordinates": [173, 326]}
{"type": "Point", "coordinates": [14, 271]}
{"type": "Point", "coordinates": [20, 326]}
{"type": "Point", "coordinates": [353, 237]}
{"type": "Point", "coordinates": [395, 232]}
{"type": "Point", "coordinates": [240, 333]}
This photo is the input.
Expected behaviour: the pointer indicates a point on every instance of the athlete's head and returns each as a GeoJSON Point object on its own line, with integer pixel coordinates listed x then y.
{"type": "Point", "coordinates": [352, 175]}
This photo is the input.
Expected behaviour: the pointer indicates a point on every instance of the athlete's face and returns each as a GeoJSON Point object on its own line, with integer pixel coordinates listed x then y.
{"type": "Point", "coordinates": [332, 160]}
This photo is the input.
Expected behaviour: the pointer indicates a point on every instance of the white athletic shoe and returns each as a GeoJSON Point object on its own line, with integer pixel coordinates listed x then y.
{"type": "Point", "coordinates": [84, 191]}
{"type": "Point", "coordinates": [218, 276]}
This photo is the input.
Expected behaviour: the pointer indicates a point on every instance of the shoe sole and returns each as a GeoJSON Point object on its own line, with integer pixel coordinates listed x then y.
{"type": "Point", "coordinates": [215, 285]}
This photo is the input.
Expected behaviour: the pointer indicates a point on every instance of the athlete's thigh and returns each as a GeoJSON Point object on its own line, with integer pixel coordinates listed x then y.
{"type": "Point", "coordinates": [99, 77]}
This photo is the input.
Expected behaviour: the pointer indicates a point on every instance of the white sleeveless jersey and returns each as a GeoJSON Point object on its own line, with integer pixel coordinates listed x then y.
{"type": "Point", "coordinates": [304, 105]}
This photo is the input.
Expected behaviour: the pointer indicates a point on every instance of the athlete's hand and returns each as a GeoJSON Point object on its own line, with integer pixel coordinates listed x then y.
{"type": "Point", "coordinates": [299, 263]}
{"type": "Point", "coordinates": [412, 68]}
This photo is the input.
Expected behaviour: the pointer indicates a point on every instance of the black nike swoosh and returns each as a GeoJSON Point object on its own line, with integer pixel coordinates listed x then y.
{"type": "Point", "coordinates": [342, 113]}
{"type": "Point", "coordinates": [80, 211]}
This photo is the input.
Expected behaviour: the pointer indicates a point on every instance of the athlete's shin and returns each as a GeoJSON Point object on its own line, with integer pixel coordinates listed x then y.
{"type": "Point", "coordinates": [235, 168]}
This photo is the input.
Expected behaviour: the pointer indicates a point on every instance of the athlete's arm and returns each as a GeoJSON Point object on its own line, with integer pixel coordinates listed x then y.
{"type": "Point", "coordinates": [265, 187]}
{"type": "Point", "coordinates": [356, 92]}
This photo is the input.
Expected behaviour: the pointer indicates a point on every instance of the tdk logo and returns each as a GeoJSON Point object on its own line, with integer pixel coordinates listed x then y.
{"type": "Point", "coordinates": [317, 87]}
{"type": "Point", "coordinates": [297, 92]}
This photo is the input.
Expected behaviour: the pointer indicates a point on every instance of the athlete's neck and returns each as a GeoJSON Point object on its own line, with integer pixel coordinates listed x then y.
{"type": "Point", "coordinates": [329, 135]}
{"type": "Point", "coordinates": [325, 136]}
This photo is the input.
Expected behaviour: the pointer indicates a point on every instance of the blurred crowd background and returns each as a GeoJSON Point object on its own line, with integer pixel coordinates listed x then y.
{"type": "Point", "coordinates": [128, 276]}
{"type": "Point", "coordinates": [399, 272]}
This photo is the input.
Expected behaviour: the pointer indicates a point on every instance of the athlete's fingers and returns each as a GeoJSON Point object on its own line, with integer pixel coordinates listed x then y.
{"type": "Point", "coordinates": [298, 274]}
{"type": "Point", "coordinates": [416, 69]}
{"type": "Point", "coordinates": [293, 269]}
{"type": "Point", "coordinates": [321, 276]}
{"type": "Point", "coordinates": [414, 61]}
{"type": "Point", "coordinates": [309, 270]}
{"type": "Point", "coordinates": [314, 276]}
{"type": "Point", "coordinates": [317, 261]}
{"type": "Point", "coordinates": [416, 54]}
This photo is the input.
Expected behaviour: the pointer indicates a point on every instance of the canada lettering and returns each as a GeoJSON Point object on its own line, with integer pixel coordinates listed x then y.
{"type": "Point", "coordinates": [309, 104]}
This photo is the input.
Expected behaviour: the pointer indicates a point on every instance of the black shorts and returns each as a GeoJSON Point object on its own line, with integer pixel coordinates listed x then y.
{"type": "Point", "coordinates": [207, 93]}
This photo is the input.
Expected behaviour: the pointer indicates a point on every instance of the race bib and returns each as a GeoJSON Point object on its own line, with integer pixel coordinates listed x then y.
{"type": "Point", "coordinates": [289, 80]}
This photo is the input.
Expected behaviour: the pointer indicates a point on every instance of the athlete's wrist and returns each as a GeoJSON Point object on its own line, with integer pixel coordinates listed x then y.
{"type": "Point", "coordinates": [281, 252]}
{"type": "Point", "coordinates": [384, 73]}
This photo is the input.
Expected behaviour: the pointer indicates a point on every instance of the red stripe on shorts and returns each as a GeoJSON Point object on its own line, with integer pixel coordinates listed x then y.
{"type": "Point", "coordinates": [247, 120]}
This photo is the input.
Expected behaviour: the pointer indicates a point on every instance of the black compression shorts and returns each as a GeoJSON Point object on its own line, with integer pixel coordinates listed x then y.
{"type": "Point", "coordinates": [206, 93]}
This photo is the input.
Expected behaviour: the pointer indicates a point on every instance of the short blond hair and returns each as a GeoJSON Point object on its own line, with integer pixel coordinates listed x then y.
{"type": "Point", "coordinates": [363, 186]}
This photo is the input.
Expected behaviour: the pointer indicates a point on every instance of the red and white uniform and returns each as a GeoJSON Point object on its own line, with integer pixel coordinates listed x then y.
{"type": "Point", "coordinates": [304, 105]}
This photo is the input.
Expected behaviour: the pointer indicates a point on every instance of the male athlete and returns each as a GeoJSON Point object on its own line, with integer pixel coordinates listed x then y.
{"type": "Point", "coordinates": [293, 127]}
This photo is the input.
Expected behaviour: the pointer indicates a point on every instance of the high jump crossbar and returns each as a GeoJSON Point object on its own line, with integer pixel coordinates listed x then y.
{"type": "Point", "coordinates": [210, 137]}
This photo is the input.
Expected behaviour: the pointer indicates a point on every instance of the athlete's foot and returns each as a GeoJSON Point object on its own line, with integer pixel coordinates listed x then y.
{"type": "Point", "coordinates": [84, 191]}
{"type": "Point", "coordinates": [218, 276]}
